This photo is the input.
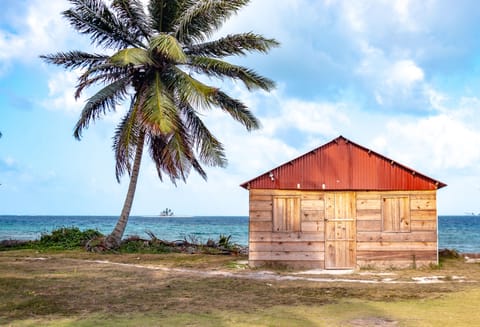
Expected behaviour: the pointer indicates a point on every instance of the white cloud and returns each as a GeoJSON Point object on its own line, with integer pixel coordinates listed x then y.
{"type": "Point", "coordinates": [436, 98]}
{"type": "Point", "coordinates": [9, 45]}
{"type": "Point", "coordinates": [313, 117]}
{"type": "Point", "coordinates": [10, 161]}
{"type": "Point", "coordinates": [440, 142]}
{"type": "Point", "coordinates": [61, 87]}
{"type": "Point", "coordinates": [446, 142]}
{"type": "Point", "coordinates": [404, 14]}
{"type": "Point", "coordinates": [404, 73]}
{"type": "Point", "coordinates": [36, 28]}
{"type": "Point", "coordinates": [279, 112]}
{"type": "Point", "coordinates": [395, 83]}
{"type": "Point", "coordinates": [354, 16]}
{"type": "Point", "coordinates": [61, 96]}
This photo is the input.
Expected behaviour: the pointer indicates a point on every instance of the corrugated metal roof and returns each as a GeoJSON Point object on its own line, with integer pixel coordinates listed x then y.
{"type": "Point", "coordinates": [343, 165]}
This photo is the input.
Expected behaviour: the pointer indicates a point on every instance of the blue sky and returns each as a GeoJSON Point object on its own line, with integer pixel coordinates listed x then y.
{"type": "Point", "coordinates": [400, 77]}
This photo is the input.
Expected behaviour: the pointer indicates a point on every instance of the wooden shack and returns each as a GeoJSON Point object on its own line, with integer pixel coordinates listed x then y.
{"type": "Point", "coordinates": [342, 206]}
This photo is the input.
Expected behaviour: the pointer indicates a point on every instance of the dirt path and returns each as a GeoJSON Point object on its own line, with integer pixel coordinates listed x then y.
{"type": "Point", "coordinates": [321, 276]}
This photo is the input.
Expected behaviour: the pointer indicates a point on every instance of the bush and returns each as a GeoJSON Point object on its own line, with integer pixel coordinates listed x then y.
{"type": "Point", "coordinates": [14, 245]}
{"type": "Point", "coordinates": [449, 254]}
{"type": "Point", "coordinates": [224, 241]}
{"type": "Point", "coordinates": [64, 238]}
{"type": "Point", "coordinates": [67, 238]}
{"type": "Point", "coordinates": [137, 245]}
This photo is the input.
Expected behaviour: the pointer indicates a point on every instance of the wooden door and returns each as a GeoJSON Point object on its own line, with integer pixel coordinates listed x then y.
{"type": "Point", "coordinates": [340, 231]}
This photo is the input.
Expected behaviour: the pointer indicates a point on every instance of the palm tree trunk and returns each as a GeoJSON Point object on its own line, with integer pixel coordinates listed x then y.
{"type": "Point", "coordinates": [114, 239]}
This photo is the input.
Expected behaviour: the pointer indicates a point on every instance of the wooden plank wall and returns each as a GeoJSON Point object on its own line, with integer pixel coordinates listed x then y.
{"type": "Point", "coordinates": [399, 249]}
{"type": "Point", "coordinates": [306, 248]}
{"type": "Point", "coordinates": [301, 249]}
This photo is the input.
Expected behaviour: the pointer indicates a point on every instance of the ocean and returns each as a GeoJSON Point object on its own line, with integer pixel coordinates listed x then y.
{"type": "Point", "coordinates": [455, 232]}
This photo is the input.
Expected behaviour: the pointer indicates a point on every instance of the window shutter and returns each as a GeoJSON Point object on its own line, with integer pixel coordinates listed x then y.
{"type": "Point", "coordinates": [396, 214]}
{"type": "Point", "coordinates": [286, 214]}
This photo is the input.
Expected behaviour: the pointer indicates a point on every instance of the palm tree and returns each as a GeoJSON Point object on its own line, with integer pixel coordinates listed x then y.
{"type": "Point", "coordinates": [158, 54]}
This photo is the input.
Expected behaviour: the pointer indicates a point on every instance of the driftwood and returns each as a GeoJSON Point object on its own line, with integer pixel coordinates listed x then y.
{"type": "Point", "coordinates": [12, 243]}
{"type": "Point", "coordinates": [192, 245]}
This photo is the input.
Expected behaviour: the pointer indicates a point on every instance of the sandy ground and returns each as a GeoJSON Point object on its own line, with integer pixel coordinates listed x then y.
{"type": "Point", "coordinates": [317, 275]}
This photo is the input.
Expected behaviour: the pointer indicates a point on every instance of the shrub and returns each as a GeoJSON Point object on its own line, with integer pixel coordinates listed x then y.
{"type": "Point", "coordinates": [67, 238]}
{"type": "Point", "coordinates": [449, 254]}
{"type": "Point", "coordinates": [14, 245]}
{"type": "Point", "coordinates": [135, 244]}
{"type": "Point", "coordinates": [224, 241]}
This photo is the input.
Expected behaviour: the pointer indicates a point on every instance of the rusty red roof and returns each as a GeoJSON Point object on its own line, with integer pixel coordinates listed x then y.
{"type": "Point", "coordinates": [343, 165]}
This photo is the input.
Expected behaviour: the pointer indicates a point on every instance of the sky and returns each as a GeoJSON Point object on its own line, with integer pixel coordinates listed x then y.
{"type": "Point", "coordinates": [399, 77]}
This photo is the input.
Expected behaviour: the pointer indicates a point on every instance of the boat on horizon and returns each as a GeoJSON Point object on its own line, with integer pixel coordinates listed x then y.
{"type": "Point", "coordinates": [166, 213]}
{"type": "Point", "coordinates": [160, 216]}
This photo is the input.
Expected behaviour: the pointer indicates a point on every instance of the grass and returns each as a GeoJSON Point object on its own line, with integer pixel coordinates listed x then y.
{"type": "Point", "coordinates": [458, 309]}
{"type": "Point", "coordinates": [67, 288]}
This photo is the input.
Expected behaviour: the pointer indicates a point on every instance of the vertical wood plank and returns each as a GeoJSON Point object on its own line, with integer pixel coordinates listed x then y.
{"type": "Point", "coordinates": [329, 230]}
{"type": "Point", "coordinates": [388, 214]}
{"type": "Point", "coordinates": [340, 254]}
{"type": "Point", "coordinates": [329, 205]}
{"type": "Point", "coordinates": [330, 255]}
{"type": "Point", "coordinates": [293, 214]}
{"type": "Point", "coordinates": [341, 230]}
{"type": "Point", "coordinates": [404, 218]}
{"type": "Point", "coordinates": [278, 214]}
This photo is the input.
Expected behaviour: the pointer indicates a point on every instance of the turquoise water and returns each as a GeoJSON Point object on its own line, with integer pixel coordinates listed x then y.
{"type": "Point", "coordinates": [455, 232]}
{"type": "Point", "coordinates": [166, 228]}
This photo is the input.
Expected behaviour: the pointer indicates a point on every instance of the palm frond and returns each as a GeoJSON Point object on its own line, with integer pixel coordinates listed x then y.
{"type": "Point", "coordinates": [133, 13]}
{"type": "Point", "coordinates": [125, 141]}
{"type": "Point", "coordinates": [160, 114]}
{"type": "Point", "coordinates": [131, 56]}
{"type": "Point", "coordinates": [164, 13]}
{"type": "Point", "coordinates": [168, 47]}
{"type": "Point", "coordinates": [188, 89]}
{"type": "Point", "coordinates": [94, 18]}
{"type": "Point", "coordinates": [173, 155]}
{"type": "Point", "coordinates": [201, 18]}
{"type": "Point", "coordinates": [104, 100]}
{"type": "Point", "coordinates": [101, 74]}
{"type": "Point", "coordinates": [75, 59]}
{"type": "Point", "coordinates": [221, 69]}
{"type": "Point", "coordinates": [210, 149]}
{"type": "Point", "coordinates": [166, 152]}
{"type": "Point", "coordinates": [237, 110]}
{"type": "Point", "coordinates": [230, 45]}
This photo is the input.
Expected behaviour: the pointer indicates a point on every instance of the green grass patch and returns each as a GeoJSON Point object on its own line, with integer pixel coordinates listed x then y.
{"type": "Point", "coordinates": [457, 309]}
